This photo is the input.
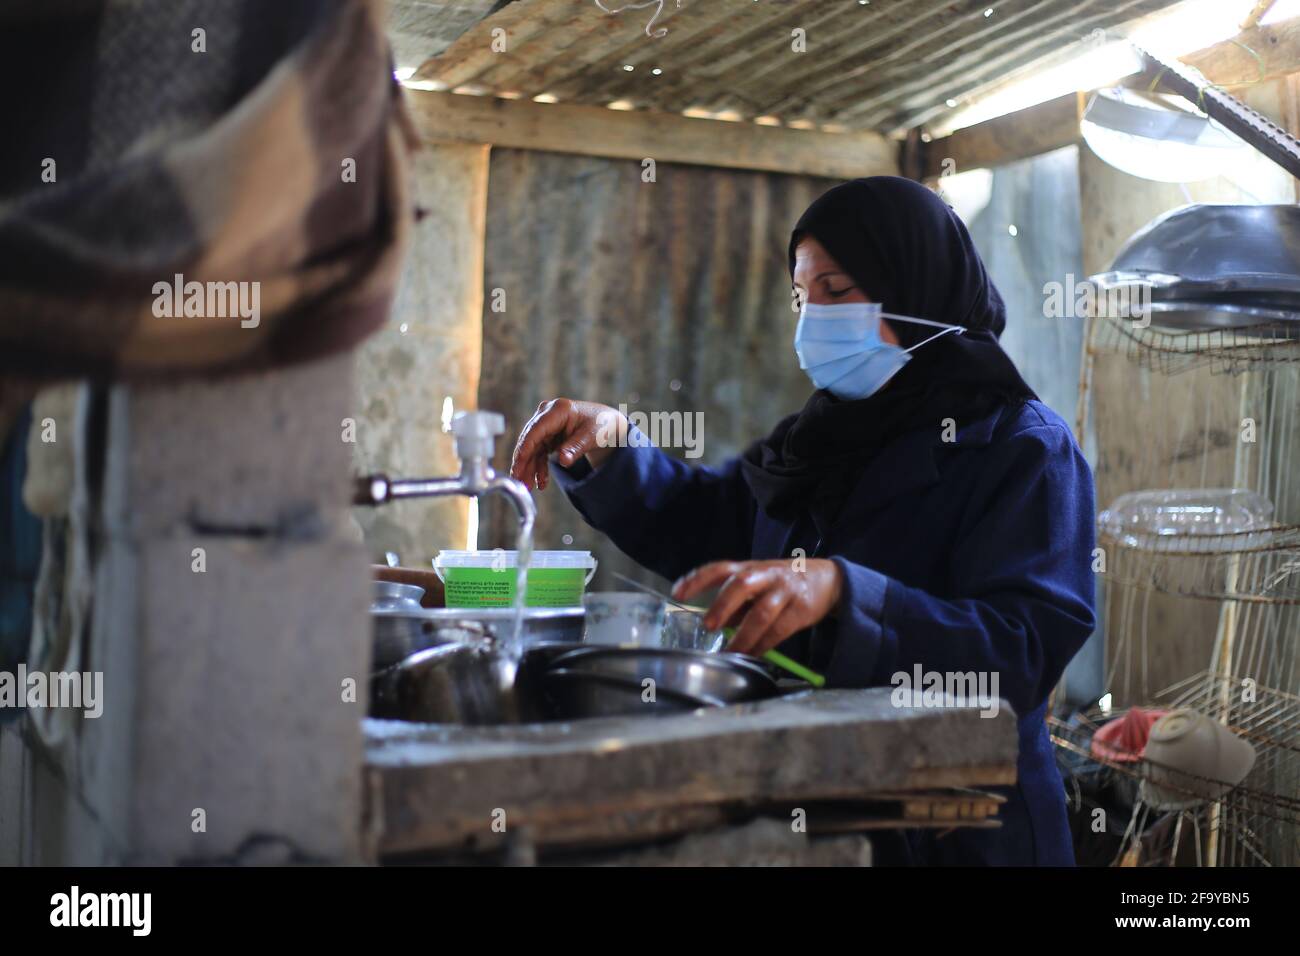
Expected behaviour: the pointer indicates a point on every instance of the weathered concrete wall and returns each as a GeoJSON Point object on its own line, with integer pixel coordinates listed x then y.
{"type": "Point", "coordinates": [430, 349]}
{"type": "Point", "coordinates": [230, 609]}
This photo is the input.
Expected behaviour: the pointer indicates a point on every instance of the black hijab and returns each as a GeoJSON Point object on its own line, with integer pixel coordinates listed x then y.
{"type": "Point", "coordinates": [906, 249]}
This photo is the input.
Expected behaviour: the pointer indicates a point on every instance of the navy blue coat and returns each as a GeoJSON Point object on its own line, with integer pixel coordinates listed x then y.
{"type": "Point", "coordinates": [970, 555]}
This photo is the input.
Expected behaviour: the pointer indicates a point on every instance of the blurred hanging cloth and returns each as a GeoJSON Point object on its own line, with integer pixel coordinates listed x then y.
{"type": "Point", "coordinates": [235, 144]}
{"type": "Point", "coordinates": [167, 143]}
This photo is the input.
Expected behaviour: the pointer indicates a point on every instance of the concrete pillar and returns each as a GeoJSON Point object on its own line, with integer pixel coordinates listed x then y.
{"type": "Point", "coordinates": [430, 349]}
{"type": "Point", "coordinates": [15, 785]}
{"type": "Point", "coordinates": [230, 616]}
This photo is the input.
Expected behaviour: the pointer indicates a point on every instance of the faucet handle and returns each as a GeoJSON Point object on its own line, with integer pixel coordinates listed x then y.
{"type": "Point", "coordinates": [476, 433]}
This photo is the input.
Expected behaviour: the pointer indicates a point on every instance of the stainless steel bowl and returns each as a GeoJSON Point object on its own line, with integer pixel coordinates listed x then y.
{"type": "Point", "coordinates": [465, 684]}
{"type": "Point", "coordinates": [609, 681]}
{"type": "Point", "coordinates": [1259, 321]}
{"type": "Point", "coordinates": [1212, 267]}
{"type": "Point", "coordinates": [1211, 249]}
{"type": "Point", "coordinates": [400, 633]}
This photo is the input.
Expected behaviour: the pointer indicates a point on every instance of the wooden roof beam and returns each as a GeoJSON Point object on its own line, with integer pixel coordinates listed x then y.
{"type": "Point", "coordinates": [1030, 132]}
{"type": "Point", "coordinates": [639, 134]}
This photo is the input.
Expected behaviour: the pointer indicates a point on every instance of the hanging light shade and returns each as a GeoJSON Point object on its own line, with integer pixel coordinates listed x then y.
{"type": "Point", "coordinates": [1152, 137]}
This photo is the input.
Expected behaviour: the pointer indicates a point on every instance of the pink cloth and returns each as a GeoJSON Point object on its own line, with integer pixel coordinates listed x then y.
{"type": "Point", "coordinates": [1123, 739]}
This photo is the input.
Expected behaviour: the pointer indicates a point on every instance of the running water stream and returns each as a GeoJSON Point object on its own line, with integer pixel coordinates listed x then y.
{"type": "Point", "coordinates": [510, 643]}
{"type": "Point", "coordinates": [513, 644]}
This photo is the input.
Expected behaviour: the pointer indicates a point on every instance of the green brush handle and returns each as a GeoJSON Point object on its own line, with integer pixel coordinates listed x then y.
{"type": "Point", "coordinates": [795, 668]}
{"type": "Point", "coordinates": [783, 662]}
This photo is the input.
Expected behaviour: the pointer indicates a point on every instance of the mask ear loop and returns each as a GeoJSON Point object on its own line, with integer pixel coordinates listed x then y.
{"type": "Point", "coordinates": [937, 335]}
{"type": "Point", "coordinates": [938, 325]}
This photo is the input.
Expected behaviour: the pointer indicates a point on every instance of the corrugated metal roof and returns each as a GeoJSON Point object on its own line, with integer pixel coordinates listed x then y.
{"type": "Point", "coordinates": [885, 65]}
{"type": "Point", "coordinates": [420, 29]}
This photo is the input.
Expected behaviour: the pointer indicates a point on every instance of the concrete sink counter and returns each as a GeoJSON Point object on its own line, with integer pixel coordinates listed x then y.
{"type": "Point", "coordinates": [442, 789]}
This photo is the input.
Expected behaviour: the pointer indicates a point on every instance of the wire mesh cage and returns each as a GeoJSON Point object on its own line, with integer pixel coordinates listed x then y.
{"type": "Point", "coordinates": [1236, 436]}
{"type": "Point", "coordinates": [1216, 571]}
{"type": "Point", "coordinates": [1253, 823]}
{"type": "Point", "coordinates": [1222, 409]}
{"type": "Point", "coordinates": [1223, 350]}
{"type": "Point", "coordinates": [1212, 620]}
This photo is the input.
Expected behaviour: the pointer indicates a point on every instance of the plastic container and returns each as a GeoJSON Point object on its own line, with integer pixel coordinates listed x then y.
{"type": "Point", "coordinates": [1208, 519]}
{"type": "Point", "coordinates": [624, 618]}
{"type": "Point", "coordinates": [487, 578]}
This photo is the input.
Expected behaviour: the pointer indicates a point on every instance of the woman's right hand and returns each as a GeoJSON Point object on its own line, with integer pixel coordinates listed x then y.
{"type": "Point", "coordinates": [569, 430]}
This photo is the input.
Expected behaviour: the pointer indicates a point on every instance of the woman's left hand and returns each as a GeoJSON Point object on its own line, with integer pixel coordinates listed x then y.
{"type": "Point", "coordinates": [766, 601]}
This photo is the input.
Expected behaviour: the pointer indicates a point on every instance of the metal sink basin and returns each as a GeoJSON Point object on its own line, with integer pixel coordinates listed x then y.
{"type": "Point", "coordinates": [473, 683]}
{"type": "Point", "coordinates": [462, 683]}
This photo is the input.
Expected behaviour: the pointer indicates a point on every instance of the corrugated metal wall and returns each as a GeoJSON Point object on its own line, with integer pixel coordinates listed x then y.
{"type": "Point", "coordinates": [1028, 236]}
{"type": "Point", "coordinates": [617, 290]}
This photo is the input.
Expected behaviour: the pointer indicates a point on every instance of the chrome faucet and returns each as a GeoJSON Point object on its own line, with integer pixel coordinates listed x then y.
{"type": "Point", "coordinates": [475, 434]}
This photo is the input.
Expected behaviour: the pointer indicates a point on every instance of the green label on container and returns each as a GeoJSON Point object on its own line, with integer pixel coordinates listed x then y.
{"type": "Point", "coordinates": [484, 587]}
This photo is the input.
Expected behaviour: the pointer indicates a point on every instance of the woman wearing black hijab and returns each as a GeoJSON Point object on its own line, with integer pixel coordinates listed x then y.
{"type": "Point", "coordinates": [924, 514]}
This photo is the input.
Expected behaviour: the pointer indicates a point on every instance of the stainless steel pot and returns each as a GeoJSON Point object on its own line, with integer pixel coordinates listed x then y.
{"type": "Point", "coordinates": [392, 596]}
{"type": "Point", "coordinates": [610, 681]}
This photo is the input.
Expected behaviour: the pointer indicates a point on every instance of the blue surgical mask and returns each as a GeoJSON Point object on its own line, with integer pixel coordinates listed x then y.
{"type": "Point", "coordinates": [840, 348]}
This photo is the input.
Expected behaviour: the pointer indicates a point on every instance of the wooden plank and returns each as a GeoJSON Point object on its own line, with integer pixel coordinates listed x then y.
{"type": "Point", "coordinates": [896, 810]}
{"type": "Point", "coordinates": [1257, 13]}
{"type": "Point", "coordinates": [444, 787]}
{"type": "Point", "coordinates": [867, 825]}
{"type": "Point", "coordinates": [586, 830]}
{"type": "Point", "coordinates": [413, 820]}
{"type": "Point", "coordinates": [1256, 54]}
{"type": "Point", "coordinates": [664, 137]}
{"type": "Point", "coordinates": [1030, 132]}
